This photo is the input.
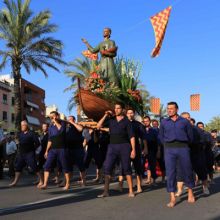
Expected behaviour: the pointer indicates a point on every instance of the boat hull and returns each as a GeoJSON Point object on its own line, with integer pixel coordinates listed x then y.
{"type": "Point", "coordinates": [93, 106]}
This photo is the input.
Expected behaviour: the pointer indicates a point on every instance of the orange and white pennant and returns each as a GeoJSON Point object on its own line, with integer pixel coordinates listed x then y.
{"type": "Point", "coordinates": [159, 23]}
{"type": "Point", "coordinates": [155, 105]}
{"type": "Point", "coordinates": [195, 102]}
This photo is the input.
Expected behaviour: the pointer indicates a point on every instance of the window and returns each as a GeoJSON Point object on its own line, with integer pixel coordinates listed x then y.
{"type": "Point", "coordinates": [12, 101]}
{"type": "Point", "coordinates": [5, 116]}
{"type": "Point", "coordinates": [12, 117]}
{"type": "Point", "coordinates": [5, 98]}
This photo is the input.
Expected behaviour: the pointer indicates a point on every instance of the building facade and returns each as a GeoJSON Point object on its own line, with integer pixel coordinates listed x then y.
{"type": "Point", "coordinates": [7, 117]}
{"type": "Point", "coordinates": [32, 103]}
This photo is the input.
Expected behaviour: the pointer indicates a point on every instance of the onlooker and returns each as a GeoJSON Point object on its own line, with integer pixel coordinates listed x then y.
{"type": "Point", "coordinates": [11, 149]}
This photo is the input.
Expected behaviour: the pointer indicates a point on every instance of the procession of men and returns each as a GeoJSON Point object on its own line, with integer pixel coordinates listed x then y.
{"type": "Point", "coordinates": [179, 147]}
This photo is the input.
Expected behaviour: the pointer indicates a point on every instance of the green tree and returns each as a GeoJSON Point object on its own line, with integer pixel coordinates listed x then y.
{"type": "Point", "coordinates": [214, 123]}
{"type": "Point", "coordinates": [128, 78]}
{"type": "Point", "coordinates": [27, 44]}
{"type": "Point", "coordinates": [78, 69]}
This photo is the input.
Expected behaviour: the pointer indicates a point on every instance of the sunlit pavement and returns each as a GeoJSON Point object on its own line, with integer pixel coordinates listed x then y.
{"type": "Point", "coordinates": [27, 202]}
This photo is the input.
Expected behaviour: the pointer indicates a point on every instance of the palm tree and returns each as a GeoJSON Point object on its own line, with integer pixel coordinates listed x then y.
{"type": "Point", "coordinates": [128, 74]}
{"type": "Point", "coordinates": [26, 44]}
{"type": "Point", "coordinates": [78, 69]}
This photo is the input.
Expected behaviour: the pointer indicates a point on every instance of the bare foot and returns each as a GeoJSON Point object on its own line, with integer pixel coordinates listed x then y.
{"type": "Point", "coordinates": [147, 182]}
{"type": "Point", "coordinates": [178, 194]}
{"type": "Point", "coordinates": [191, 199]}
{"type": "Point", "coordinates": [12, 184]}
{"type": "Point", "coordinates": [66, 187]}
{"type": "Point", "coordinates": [43, 187]}
{"type": "Point", "coordinates": [171, 204]}
{"type": "Point", "coordinates": [139, 191]}
{"type": "Point", "coordinates": [80, 182]}
{"type": "Point", "coordinates": [103, 195]}
{"type": "Point", "coordinates": [96, 180]}
{"type": "Point", "coordinates": [40, 184]}
{"type": "Point", "coordinates": [131, 195]}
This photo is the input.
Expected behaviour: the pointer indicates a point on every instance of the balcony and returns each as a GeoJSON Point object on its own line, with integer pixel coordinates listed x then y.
{"type": "Point", "coordinates": [33, 105]}
{"type": "Point", "coordinates": [32, 120]}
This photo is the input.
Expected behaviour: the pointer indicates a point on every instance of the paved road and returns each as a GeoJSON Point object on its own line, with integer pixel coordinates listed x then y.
{"type": "Point", "coordinates": [27, 202]}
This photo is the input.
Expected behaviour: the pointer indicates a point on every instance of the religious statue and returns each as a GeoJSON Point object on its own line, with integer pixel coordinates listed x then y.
{"type": "Point", "coordinates": [108, 51]}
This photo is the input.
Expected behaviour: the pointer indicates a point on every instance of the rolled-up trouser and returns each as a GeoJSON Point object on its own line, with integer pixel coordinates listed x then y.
{"type": "Point", "coordinates": [121, 152]}
{"type": "Point", "coordinates": [61, 156]}
{"type": "Point", "coordinates": [23, 159]}
{"type": "Point", "coordinates": [178, 156]}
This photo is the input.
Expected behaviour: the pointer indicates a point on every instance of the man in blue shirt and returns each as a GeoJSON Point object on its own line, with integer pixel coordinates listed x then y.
{"type": "Point", "coordinates": [152, 142]}
{"type": "Point", "coordinates": [208, 150]}
{"type": "Point", "coordinates": [140, 137]}
{"type": "Point", "coordinates": [28, 142]}
{"type": "Point", "coordinates": [176, 134]}
{"type": "Point", "coordinates": [74, 142]}
{"type": "Point", "coordinates": [56, 149]}
{"type": "Point", "coordinates": [197, 158]}
{"type": "Point", "coordinates": [122, 147]}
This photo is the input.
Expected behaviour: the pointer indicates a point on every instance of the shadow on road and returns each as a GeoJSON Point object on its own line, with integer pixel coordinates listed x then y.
{"type": "Point", "coordinates": [79, 195]}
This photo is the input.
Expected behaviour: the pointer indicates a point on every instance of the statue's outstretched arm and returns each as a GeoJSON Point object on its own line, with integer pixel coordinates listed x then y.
{"type": "Point", "coordinates": [90, 48]}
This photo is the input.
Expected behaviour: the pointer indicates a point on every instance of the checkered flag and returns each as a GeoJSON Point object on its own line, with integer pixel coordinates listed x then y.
{"type": "Point", "coordinates": [159, 23]}
{"type": "Point", "coordinates": [195, 102]}
{"type": "Point", "coordinates": [155, 105]}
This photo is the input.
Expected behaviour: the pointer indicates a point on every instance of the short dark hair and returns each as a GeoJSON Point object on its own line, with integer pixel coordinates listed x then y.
{"type": "Point", "coordinates": [155, 120]}
{"type": "Point", "coordinates": [200, 123]}
{"type": "Point", "coordinates": [214, 131]}
{"type": "Point", "coordinates": [185, 113]}
{"type": "Point", "coordinates": [45, 123]}
{"type": "Point", "coordinates": [130, 109]}
{"type": "Point", "coordinates": [109, 29]}
{"type": "Point", "coordinates": [121, 104]}
{"type": "Point", "coordinates": [173, 103]}
{"type": "Point", "coordinates": [55, 113]}
{"type": "Point", "coordinates": [73, 117]}
{"type": "Point", "coordinates": [147, 117]}
{"type": "Point", "coordinates": [193, 120]}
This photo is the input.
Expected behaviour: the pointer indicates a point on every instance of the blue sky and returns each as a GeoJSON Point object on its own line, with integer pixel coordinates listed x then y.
{"type": "Point", "coordinates": [189, 62]}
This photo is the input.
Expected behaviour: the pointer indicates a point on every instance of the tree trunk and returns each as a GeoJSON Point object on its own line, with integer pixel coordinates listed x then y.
{"type": "Point", "coordinates": [16, 67]}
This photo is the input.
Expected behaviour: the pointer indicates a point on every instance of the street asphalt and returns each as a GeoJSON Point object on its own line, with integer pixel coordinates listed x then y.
{"type": "Point", "coordinates": [26, 202]}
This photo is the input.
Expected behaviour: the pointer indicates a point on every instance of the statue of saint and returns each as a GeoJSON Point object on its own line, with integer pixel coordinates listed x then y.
{"type": "Point", "coordinates": [108, 51]}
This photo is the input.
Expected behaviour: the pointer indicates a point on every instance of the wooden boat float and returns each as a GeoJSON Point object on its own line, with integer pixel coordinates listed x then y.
{"type": "Point", "coordinates": [93, 106]}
